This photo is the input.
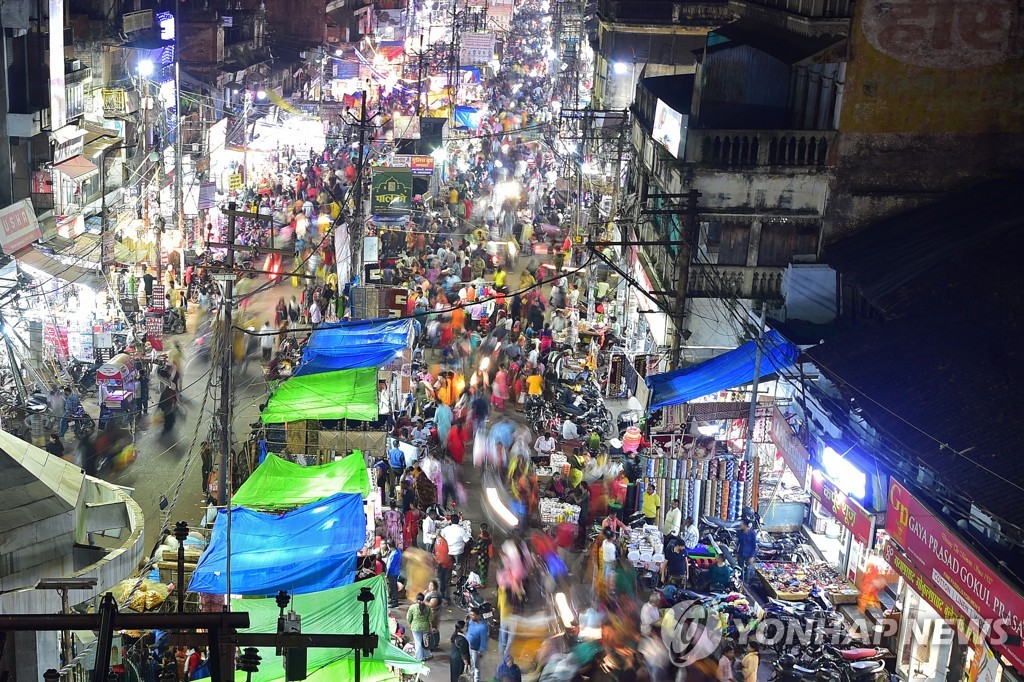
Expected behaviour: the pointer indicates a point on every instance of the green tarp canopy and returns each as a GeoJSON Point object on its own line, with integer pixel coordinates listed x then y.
{"type": "Point", "coordinates": [278, 484]}
{"type": "Point", "coordinates": [332, 612]}
{"type": "Point", "coordinates": [344, 394]}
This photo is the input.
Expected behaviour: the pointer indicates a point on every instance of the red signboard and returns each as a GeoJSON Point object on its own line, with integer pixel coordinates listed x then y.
{"type": "Point", "coordinates": [18, 227]}
{"type": "Point", "coordinates": [975, 590]}
{"type": "Point", "coordinates": [845, 509]}
{"type": "Point", "coordinates": [793, 451]}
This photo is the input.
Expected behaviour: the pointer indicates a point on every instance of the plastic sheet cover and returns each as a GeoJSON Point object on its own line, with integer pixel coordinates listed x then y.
{"type": "Point", "coordinates": [728, 370]}
{"type": "Point", "coordinates": [354, 344]}
{"type": "Point", "coordinates": [310, 549]}
{"type": "Point", "coordinates": [333, 612]}
{"type": "Point", "coordinates": [278, 484]}
{"type": "Point", "coordinates": [344, 394]}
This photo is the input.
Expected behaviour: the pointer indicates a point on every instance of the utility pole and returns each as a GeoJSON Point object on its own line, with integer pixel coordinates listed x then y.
{"type": "Point", "coordinates": [225, 370]}
{"type": "Point", "coordinates": [356, 228]}
{"type": "Point", "coordinates": [748, 451]}
{"type": "Point", "coordinates": [682, 268]}
{"type": "Point", "coordinates": [179, 198]}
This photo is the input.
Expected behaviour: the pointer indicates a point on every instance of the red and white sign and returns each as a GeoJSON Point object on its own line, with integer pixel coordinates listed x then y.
{"type": "Point", "coordinates": [843, 508]}
{"type": "Point", "coordinates": [971, 586]}
{"type": "Point", "coordinates": [18, 227]}
{"type": "Point", "coordinates": [155, 330]}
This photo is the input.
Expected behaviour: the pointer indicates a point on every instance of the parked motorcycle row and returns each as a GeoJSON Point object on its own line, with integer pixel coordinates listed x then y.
{"type": "Point", "coordinates": [581, 402]}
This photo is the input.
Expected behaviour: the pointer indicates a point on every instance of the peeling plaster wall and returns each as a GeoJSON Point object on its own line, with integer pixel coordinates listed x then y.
{"type": "Point", "coordinates": [932, 101]}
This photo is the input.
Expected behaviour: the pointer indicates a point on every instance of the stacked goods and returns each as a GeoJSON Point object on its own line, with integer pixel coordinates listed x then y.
{"type": "Point", "coordinates": [552, 511]}
{"type": "Point", "coordinates": [795, 582]}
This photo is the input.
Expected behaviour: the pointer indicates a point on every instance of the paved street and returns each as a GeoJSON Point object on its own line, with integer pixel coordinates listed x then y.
{"type": "Point", "coordinates": [161, 461]}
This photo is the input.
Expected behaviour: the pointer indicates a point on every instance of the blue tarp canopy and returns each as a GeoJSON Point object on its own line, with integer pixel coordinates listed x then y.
{"type": "Point", "coordinates": [308, 549]}
{"type": "Point", "coordinates": [728, 370]}
{"type": "Point", "coordinates": [354, 345]}
{"type": "Point", "coordinates": [467, 117]}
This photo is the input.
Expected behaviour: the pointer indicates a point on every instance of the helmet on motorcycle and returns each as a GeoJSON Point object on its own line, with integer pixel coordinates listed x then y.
{"type": "Point", "coordinates": [787, 661]}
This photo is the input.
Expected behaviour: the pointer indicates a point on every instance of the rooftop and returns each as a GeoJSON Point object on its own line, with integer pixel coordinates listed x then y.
{"type": "Point", "coordinates": [786, 46]}
{"type": "Point", "coordinates": [941, 373]}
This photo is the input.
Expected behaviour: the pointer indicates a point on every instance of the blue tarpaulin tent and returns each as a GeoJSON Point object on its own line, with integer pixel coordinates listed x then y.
{"type": "Point", "coordinates": [728, 370]}
{"type": "Point", "coordinates": [309, 549]}
{"type": "Point", "coordinates": [349, 345]}
{"type": "Point", "coordinates": [467, 117]}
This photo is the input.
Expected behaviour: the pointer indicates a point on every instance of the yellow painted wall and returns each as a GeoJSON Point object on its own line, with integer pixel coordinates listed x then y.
{"type": "Point", "coordinates": [935, 66]}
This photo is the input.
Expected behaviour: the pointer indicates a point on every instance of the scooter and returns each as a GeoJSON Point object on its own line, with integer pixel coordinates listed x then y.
{"type": "Point", "coordinates": [83, 424]}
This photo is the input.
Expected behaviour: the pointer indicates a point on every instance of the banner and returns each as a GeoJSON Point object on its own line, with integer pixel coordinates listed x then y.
{"type": "Point", "coordinates": [421, 165]}
{"type": "Point", "coordinates": [406, 127]}
{"type": "Point", "coordinates": [975, 590]}
{"type": "Point", "coordinates": [844, 509]}
{"type": "Point", "coordinates": [18, 227]}
{"type": "Point", "coordinates": [792, 450]}
{"type": "Point", "coordinates": [392, 191]}
{"type": "Point", "coordinates": [476, 48]}
{"type": "Point", "coordinates": [234, 182]}
{"type": "Point", "coordinates": [155, 330]}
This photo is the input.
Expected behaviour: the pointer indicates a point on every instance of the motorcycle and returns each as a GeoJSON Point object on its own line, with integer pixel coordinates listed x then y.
{"type": "Point", "coordinates": [82, 375]}
{"type": "Point", "coordinates": [83, 424]}
{"type": "Point", "coordinates": [849, 665]}
{"type": "Point", "coordinates": [173, 322]}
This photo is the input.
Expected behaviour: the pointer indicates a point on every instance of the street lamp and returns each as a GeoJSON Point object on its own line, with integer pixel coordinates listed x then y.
{"type": "Point", "coordinates": [145, 68]}
{"type": "Point", "coordinates": [620, 68]}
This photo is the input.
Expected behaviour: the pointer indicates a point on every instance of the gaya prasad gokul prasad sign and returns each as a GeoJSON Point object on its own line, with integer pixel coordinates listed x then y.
{"type": "Point", "coordinates": [973, 588]}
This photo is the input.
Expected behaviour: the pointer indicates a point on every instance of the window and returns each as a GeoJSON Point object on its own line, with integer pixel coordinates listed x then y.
{"type": "Point", "coordinates": [734, 243]}
{"type": "Point", "coordinates": [781, 241]}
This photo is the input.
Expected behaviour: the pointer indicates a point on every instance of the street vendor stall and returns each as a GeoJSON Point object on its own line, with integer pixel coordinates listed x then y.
{"type": "Point", "coordinates": [794, 582]}
{"type": "Point", "coordinates": [117, 382]}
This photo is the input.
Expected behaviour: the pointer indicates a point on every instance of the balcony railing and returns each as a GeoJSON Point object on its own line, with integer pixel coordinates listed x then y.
{"type": "Point", "coordinates": [759, 147]}
{"type": "Point", "coordinates": [79, 75]}
{"type": "Point", "coordinates": [665, 12]}
{"type": "Point", "coordinates": [720, 281]}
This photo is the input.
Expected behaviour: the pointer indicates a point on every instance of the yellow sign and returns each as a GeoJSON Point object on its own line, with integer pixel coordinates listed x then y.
{"type": "Point", "coordinates": [234, 182]}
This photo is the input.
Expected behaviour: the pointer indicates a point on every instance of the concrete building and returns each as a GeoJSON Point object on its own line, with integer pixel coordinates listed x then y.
{"type": "Point", "coordinates": [751, 132]}
{"type": "Point", "coordinates": [57, 523]}
{"type": "Point", "coordinates": [646, 39]}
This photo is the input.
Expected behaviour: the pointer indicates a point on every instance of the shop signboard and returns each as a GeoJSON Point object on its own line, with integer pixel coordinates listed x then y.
{"type": "Point", "coordinates": [18, 226]}
{"type": "Point", "coordinates": [392, 191]}
{"type": "Point", "coordinates": [970, 585]}
{"type": "Point", "coordinates": [792, 450]}
{"type": "Point", "coordinates": [843, 508]}
{"type": "Point", "coordinates": [928, 591]}
{"type": "Point", "coordinates": [107, 247]}
{"type": "Point", "coordinates": [476, 48]}
{"type": "Point", "coordinates": [235, 182]}
{"type": "Point", "coordinates": [421, 165]}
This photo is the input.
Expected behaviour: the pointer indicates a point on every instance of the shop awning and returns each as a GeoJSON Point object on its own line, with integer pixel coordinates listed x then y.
{"type": "Point", "coordinates": [280, 484]}
{"type": "Point", "coordinates": [77, 168]}
{"type": "Point", "coordinates": [325, 536]}
{"type": "Point", "coordinates": [333, 612]}
{"type": "Point", "coordinates": [345, 394]}
{"type": "Point", "coordinates": [48, 265]}
{"type": "Point", "coordinates": [728, 370]}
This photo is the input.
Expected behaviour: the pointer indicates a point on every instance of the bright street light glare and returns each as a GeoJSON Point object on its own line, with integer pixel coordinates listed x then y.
{"type": "Point", "coordinates": [620, 68]}
{"type": "Point", "coordinates": [261, 94]}
{"type": "Point", "coordinates": [145, 68]}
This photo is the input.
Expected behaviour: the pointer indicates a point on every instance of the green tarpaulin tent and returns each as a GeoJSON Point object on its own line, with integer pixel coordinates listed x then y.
{"type": "Point", "coordinates": [345, 394]}
{"type": "Point", "coordinates": [333, 612]}
{"type": "Point", "coordinates": [278, 484]}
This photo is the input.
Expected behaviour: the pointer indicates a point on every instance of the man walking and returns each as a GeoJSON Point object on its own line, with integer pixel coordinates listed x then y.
{"type": "Point", "coordinates": [392, 558]}
{"type": "Point", "coordinates": [746, 549]}
{"type": "Point", "coordinates": [396, 458]}
{"type": "Point", "coordinates": [673, 518]}
{"type": "Point", "coordinates": [266, 340]}
{"type": "Point", "coordinates": [477, 635]}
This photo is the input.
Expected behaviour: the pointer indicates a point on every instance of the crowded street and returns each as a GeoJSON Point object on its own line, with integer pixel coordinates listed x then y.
{"type": "Point", "coordinates": [452, 343]}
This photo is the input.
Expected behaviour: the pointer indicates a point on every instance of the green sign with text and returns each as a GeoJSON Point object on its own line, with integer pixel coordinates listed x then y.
{"type": "Point", "coordinates": [392, 191]}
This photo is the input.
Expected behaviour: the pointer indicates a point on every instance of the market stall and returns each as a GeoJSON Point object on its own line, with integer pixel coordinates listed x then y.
{"type": "Point", "coordinates": [795, 582]}
{"type": "Point", "coordinates": [117, 383]}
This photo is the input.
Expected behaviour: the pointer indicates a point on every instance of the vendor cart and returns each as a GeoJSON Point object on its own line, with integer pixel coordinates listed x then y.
{"type": "Point", "coordinates": [118, 387]}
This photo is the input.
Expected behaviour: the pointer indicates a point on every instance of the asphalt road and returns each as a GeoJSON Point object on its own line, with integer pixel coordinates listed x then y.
{"type": "Point", "coordinates": [168, 465]}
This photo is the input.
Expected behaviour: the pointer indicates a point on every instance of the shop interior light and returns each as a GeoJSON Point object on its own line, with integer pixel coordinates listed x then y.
{"type": "Point", "coordinates": [846, 476]}
{"type": "Point", "coordinates": [145, 68]}
{"type": "Point", "coordinates": [620, 68]}
{"type": "Point", "coordinates": [503, 512]}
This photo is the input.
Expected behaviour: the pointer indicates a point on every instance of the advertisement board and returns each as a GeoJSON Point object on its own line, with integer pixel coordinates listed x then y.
{"type": "Point", "coordinates": [973, 588]}
{"type": "Point", "coordinates": [18, 227]}
{"type": "Point", "coordinates": [392, 191]}
{"type": "Point", "coordinates": [844, 509]}
{"type": "Point", "coordinates": [792, 450]}
{"type": "Point", "coordinates": [668, 128]}
{"type": "Point", "coordinates": [155, 330]}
